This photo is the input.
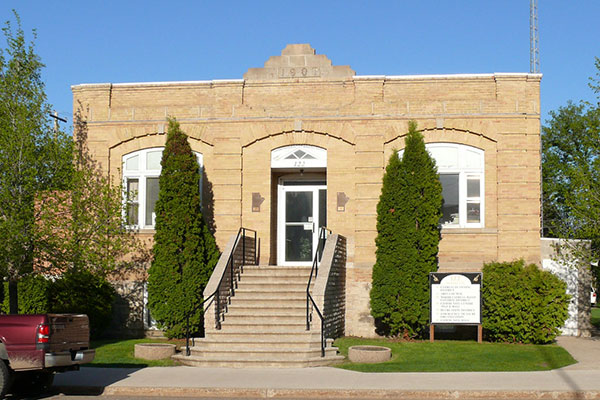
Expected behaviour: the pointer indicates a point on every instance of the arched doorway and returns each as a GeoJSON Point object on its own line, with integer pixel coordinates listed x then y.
{"type": "Point", "coordinates": [301, 201]}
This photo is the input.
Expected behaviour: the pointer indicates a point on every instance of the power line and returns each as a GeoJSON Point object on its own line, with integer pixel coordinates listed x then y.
{"type": "Point", "coordinates": [56, 119]}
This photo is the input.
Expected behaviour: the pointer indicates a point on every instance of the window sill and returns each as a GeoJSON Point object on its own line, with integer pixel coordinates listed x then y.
{"type": "Point", "coordinates": [141, 230]}
{"type": "Point", "coordinates": [467, 231]}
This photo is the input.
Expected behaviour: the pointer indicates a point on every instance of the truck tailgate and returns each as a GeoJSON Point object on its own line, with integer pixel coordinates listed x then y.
{"type": "Point", "coordinates": [68, 332]}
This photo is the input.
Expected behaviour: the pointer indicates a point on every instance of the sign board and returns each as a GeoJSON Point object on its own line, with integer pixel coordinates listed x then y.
{"type": "Point", "coordinates": [455, 298]}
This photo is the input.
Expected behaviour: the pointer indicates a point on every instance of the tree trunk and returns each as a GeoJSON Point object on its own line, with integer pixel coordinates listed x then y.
{"type": "Point", "coordinates": [13, 299]}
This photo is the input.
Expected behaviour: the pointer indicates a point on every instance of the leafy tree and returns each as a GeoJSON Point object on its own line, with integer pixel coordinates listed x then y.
{"type": "Point", "coordinates": [571, 171]}
{"type": "Point", "coordinates": [571, 176]}
{"type": "Point", "coordinates": [408, 235]}
{"type": "Point", "coordinates": [33, 158]}
{"type": "Point", "coordinates": [184, 251]}
{"type": "Point", "coordinates": [83, 227]}
{"type": "Point", "coordinates": [82, 241]}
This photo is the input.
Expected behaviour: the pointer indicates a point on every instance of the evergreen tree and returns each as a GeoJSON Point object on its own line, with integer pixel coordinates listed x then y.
{"type": "Point", "coordinates": [408, 235]}
{"type": "Point", "coordinates": [184, 251]}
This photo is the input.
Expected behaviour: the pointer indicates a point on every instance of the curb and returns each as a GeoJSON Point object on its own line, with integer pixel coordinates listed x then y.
{"type": "Point", "coordinates": [266, 393]}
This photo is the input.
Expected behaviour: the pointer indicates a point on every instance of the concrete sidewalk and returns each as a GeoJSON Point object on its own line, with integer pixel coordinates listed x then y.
{"type": "Point", "coordinates": [579, 381]}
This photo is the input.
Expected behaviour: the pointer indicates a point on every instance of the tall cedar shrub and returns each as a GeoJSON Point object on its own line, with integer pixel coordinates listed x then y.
{"type": "Point", "coordinates": [522, 304]}
{"type": "Point", "coordinates": [408, 235]}
{"type": "Point", "coordinates": [184, 251]}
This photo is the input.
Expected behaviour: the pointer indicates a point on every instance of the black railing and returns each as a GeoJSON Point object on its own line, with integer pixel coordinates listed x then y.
{"type": "Point", "coordinates": [240, 256]}
{"type": "Point", "coordinates": [323, 231]}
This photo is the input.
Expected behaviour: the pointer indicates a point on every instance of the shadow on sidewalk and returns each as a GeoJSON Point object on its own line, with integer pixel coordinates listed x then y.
{"type": "Point", "coordinates": [564, 373]}
{"type": "Point", "coordinates": [87, 381]}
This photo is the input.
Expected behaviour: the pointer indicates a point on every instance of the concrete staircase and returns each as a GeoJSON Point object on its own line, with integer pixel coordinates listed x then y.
{"type": "Point", "coordinates": [265, 325]}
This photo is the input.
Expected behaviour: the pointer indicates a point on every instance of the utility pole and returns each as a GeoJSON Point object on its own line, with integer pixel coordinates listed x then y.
{"type": "Point", "coordinates": [534, 51]}
{"type": "Point", "coordinates": [534, 68]}
{"type": "Point", "coordinates": [56, 119]}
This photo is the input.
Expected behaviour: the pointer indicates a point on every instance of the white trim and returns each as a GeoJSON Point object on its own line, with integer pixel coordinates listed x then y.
{"type": "Point", "coordinates": [159, 83]}
{"type": "Point", "coordinates": [447, 76]}
{"type": "Point", "coordinates": [299, 156]}
{"type": "Point", "coordinates": [355, 77]}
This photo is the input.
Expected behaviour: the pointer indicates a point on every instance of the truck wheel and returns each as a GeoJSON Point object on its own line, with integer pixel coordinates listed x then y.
{"type": "Point", "coordinates": [5, 379]}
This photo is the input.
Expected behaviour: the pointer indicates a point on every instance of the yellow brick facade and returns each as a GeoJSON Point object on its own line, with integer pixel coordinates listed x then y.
{"type": "Point", "coordinates": [299, 98]}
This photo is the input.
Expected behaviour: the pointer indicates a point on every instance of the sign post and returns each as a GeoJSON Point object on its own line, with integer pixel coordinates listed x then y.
{"type": "Point", "coordinates": [455, 299]}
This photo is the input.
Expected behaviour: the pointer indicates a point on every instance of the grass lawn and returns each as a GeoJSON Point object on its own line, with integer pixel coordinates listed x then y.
{"type": "Point", "coordinates": [445, 356]}
{"type": "Point", "coordinates": [595, 319]}
{"type": "Point", "coordinates": [119, 354]}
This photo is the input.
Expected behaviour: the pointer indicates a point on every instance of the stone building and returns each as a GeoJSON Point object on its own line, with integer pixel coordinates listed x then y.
{"type": "Point", "coordinates": [302, 143]}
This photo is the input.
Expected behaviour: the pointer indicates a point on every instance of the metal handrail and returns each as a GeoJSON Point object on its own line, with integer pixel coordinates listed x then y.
{"type": "Point", "coordinates": [216, 294]}
{"type": "Point", "coordinates": [309, 299]}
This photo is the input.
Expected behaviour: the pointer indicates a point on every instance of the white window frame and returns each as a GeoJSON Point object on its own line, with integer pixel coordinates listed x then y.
{"type": "Point", "coordinates": [142, 174]}
{"type": "Point", "coordinates": [468, 163]}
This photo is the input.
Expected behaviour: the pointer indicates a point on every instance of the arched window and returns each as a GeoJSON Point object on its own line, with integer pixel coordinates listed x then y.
{"type": "Point", "coordinates": [461, 171]}
{"type": "Point", "coordinates": [141, 170]}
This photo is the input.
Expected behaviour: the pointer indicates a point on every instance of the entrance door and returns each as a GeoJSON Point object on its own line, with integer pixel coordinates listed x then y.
{"type": "Point", "coordinates": [302, 209]}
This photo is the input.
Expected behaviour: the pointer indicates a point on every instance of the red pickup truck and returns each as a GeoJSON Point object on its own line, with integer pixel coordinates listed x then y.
{"type": "Point", "coordinates": [34, 347]}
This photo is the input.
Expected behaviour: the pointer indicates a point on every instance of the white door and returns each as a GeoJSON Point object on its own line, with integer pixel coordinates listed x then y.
{"type": "Point", "coordinates": [302, 209]}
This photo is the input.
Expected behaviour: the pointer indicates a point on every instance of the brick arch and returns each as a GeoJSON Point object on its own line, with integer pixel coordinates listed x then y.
{"type": "Point", "coordinates": [444, 135]}
{"type": "Point", "coordinates": [144, 141]}
{"type": "Point", "coordinates": [290, 137]}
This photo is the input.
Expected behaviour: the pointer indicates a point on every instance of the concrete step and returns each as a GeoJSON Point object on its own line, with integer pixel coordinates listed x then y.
{"type": "Point", "coordinates": [251, 342]}
{"type": "Point", "coordinates": [308, 336]}
{"type": "Point", "coordinates": [248, 278]}
{"type": "Point", "coordinates": [276, 274]}
{"type": "Point", "coordinates": [261, 354]}
{"type": "Point", "coordinates": [272, 287]}
{"type": "Point", "coordinates": [274, 295]}
{"type": "Point", "coordinates": [277, 268]}
{"type": "Point", "coordinates": [255, 309]}
{"type": "Point", "coordinates": [253, 327]}
{"type": "Point", "coordinates": [267, 302]}
{"type": "Point", "coordinates": [281, 318]}
{"type": "Point", "coordinates": [312, 362]}
{"type": "Point", "coordinates": [235, 311]}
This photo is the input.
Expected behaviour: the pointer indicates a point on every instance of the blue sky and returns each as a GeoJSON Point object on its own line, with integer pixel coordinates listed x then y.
{"type": "Point", "coordinates": [138, 41]}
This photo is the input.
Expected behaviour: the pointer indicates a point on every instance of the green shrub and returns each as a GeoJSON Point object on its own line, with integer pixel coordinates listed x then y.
{"type": "Point", "coordinates": [78, 292]}
{"type": "Point", "coordinates": [82, 292]}
{"type": "Point", "coordinates": [522, 304]}
{"type": "Point", "coordinates": [408, 235]}
{"type": "Point", "coordinates": [34, 295]}
{"type": "Point", "coordinates": [33, 291]}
